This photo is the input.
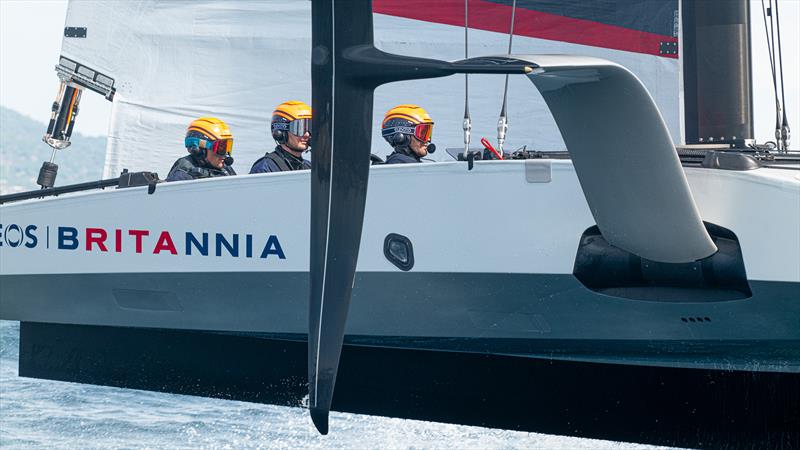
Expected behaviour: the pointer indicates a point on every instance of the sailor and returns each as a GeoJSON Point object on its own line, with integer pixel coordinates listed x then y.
{"type": "Point", "coordinates": [209, 142]}
{"type": "Point", "coordinates": [408, 129]}
{"type": "Point", "coordinates": [291, 129]}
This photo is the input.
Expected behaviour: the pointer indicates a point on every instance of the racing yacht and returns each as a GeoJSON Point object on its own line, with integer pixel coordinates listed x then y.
{"type": "Point", "coordinates": [621, 289]}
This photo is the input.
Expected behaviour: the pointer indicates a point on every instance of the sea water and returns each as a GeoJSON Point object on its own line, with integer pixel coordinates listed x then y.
{"type": "Point", "coordinates": [53, 414]}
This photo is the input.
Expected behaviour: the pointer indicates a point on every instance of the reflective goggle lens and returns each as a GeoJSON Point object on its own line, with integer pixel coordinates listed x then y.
{"type": "Point", "coordinates": [299, 127]}
{"type": "Point", "coordinates": [423, 132]}
{"type": "Point", "coordinates": [222, 147]}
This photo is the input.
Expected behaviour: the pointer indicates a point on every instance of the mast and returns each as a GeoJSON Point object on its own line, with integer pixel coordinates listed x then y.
{"type": "Point", "coordinates": [717, 77]}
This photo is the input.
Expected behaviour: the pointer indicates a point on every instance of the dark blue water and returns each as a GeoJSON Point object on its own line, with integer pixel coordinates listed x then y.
{"type": "Point", "coordinates": [53, 414]}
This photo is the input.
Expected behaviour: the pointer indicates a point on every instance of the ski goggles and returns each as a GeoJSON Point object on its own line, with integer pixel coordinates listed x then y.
{"type": "Point", "coordinates": [221, 147]}
{"type": "Point", "coordinates": [297, 127]}
{"type": "Point", "coordinates": [422, 132]}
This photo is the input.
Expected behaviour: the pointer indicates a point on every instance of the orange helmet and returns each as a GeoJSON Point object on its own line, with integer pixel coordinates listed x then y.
{"type": "Point", "coordinates": [404, 121]}
{"type": "Point", "coordinates": [209, 133]}
{"type": "Point", "coordinates": [294, 117]}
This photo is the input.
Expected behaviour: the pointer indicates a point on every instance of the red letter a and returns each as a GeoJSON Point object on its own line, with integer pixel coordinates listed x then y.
{"type": "Point", "coordinates": [165, 243]}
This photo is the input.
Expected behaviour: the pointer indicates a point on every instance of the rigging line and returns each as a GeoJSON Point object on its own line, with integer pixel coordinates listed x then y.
{"type": "Point", "coordinates": [502, 122]}
{"type": "Point", "coordinates": [771, 61]}
{"type": "Point", "coordinates": [510, 39]}
{"type": "Point", "coordinates": [467, 124]}
{"type": "Point", "coordinates": [785, 122]}
{"type": "Point", "coordinates": [774, 78]}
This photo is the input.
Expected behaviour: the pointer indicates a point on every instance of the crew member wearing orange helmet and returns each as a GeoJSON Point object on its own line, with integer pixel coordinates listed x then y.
{"type": "Point", "coordinates": [408, 129]}
{"type": "Point", "coordinates": [209, 142]}
{"type": "Point", "coordinates": [291, 129]}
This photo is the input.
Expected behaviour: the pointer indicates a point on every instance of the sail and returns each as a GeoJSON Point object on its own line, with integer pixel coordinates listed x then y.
{"type": "Point", "coordinates": [172, 61]}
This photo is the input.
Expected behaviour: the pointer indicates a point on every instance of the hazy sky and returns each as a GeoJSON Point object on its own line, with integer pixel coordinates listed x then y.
{"type": "Point", "coordinates": [31, 32]}
{"type": "Point", "coordinates": [30, 43]}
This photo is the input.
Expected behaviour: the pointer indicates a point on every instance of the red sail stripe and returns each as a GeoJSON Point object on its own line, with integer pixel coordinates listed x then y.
{"type": "Point", "coordinates": [489, 16]}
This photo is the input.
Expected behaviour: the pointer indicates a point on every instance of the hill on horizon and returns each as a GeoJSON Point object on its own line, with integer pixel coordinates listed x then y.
{"type": "Point", "coordinates": [22, 153]}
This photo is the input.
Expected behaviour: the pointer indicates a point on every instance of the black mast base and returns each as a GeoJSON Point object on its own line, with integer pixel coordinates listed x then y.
{"type": "Point", "coordinates": [47, 175]}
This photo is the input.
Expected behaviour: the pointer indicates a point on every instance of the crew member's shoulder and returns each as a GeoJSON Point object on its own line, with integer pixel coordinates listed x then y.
{"type": "Point", "coordinates": [399, 158]}
{"type": "Point", "coordinates": [265, 164]}
{"type": "Point", "coordinates": [184, 162]}
{"type": "Point", "coordinates": [181, 169]}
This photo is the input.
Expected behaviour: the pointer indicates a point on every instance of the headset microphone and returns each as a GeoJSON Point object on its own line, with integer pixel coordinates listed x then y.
{"type": "Point", "coordinates": [229, 160]}
{"type": "Point", "coordinates": [431, 147]}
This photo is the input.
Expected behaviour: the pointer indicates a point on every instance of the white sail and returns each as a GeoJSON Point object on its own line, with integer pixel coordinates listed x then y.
{"type": "Point", "coordinates": [174, 61]}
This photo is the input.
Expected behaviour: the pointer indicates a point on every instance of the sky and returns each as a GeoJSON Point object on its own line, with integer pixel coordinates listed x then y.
{"type": "Point", "coordinates": [30, 43]}
{"type": "Point", "coordinates": [31, 32]}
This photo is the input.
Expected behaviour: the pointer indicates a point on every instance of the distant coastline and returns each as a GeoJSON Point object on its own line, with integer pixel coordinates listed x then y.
{"type": "Point", "coordinates": [22, 153]}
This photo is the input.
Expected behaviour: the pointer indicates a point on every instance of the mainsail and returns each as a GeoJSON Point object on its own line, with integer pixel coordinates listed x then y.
{"type": "Point", "coordinates": [172, 62]}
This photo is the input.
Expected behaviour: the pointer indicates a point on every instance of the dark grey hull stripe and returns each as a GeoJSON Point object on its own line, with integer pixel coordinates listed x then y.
{"type": "Point", "coordinates": [517, 314]}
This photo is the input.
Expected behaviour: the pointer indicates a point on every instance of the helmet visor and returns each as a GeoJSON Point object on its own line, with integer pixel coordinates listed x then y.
{"type": "Point", "coordinates": [423, 132]}
{"type": "Point", "coordinates": [299, 127]}
{"type": "Point", "coordinates": [222, 147]}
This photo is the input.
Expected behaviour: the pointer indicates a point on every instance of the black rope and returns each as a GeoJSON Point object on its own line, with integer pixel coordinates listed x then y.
{"type": "Point", "coordinates": [510, 40]}
{"type": "Point", "coordinates": [502, 122]}
{"type": "Point", "coordinates": [49, 192]}
{"type": "Point", "coordinates": [785, 123]}
{"type": "Point", "coordinates": [467, 124]}
{"type": "Point", "coordinates": [774, 77]}
{"type": "Point", "coordinates": [466, 56]}
{"type": "Point", "coordinates": [771, 60]}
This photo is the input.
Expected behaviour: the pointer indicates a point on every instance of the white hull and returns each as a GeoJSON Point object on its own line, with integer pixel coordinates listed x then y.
{"type": "Point", "coordinates": [488, 220]}
{"type": "Point", "coordinates": [493, 261]}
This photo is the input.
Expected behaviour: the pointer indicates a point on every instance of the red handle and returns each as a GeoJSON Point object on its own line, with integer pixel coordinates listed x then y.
{"type": "Point", "coordinates": [489, 147]}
